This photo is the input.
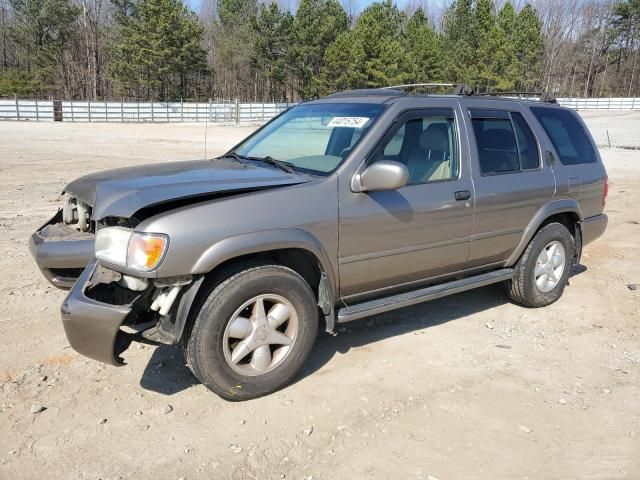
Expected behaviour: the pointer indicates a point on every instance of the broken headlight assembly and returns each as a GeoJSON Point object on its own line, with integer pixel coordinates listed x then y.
{"type": "Point", "coordinates": [127, 248]}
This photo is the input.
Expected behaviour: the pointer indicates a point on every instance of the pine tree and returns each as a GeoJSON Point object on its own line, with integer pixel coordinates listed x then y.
{"type": "Point", "coordinates": [529, 47]}
{"type": "Point", "coordinates": [18, 82]}
{"type": "Point", "coordinates": [41, 31]}
{"type": "Point", "coordinates": [458, 41]}
{"type": "Point", "coordinates": [316, 26]}
{"type": "Point", "coordinates": [510, 71]}
{"type": "Point", "coordinates": [507, 19]}
{"type": "Point", "coordinates": [424, 48]}
{"type": "Point", "coordinates": [624, 32]}
{"type": "Point", "coordinates": [234, 36]}
{"type": "Point", "coordinates": [158, 50]}
{"type": "Point", "coordinates": [486, 39]}
{"type": "Point", "coordinates": [386, 61]}
{"type": "Point", "coordinates": [342, 69]}
{"type": "Point", "coordinates": [271, 49]}
{"type": "Point", "coordinates": [123, 10]}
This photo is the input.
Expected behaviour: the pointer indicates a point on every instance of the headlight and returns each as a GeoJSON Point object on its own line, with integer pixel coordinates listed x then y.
{"type": "Point", "coordinates": [126, 248]}
{"type": "Point", "coordinates": [145, 250]}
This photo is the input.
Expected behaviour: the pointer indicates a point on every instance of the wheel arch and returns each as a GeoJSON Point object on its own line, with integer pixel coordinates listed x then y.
{"type": "Point", "coordinates": [292, 248]}
{"type": "Point", "coordinates": [565, 211]}
{"type": "Point", "coordinates": [273, 244]}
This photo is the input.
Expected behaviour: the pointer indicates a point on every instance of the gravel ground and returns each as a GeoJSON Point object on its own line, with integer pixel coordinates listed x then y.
{"type": "Point", "coordinates": [614, 129]}
{"type": "Point", "coordinates": [469, 386]}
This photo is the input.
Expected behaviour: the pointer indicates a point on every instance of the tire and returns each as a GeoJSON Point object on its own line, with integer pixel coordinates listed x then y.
{"type": "Point", "coordinates": [531, 290]}
{"type": "Point", "coordinates": [210, 349]}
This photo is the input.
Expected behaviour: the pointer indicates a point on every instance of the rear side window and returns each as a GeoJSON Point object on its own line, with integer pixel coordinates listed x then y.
{"type": "Point", "coordinates": [567, 135]}
{"type": "Point", "coordinates": [505, 142]}
{"type": "Point", "coordinates": [496, 145]}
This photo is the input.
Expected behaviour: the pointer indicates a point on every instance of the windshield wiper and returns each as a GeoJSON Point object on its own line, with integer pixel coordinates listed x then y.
{"type": "Point", "coordinates": [235, 156]}
{"type": "Point", "coordinates": [286, 166]}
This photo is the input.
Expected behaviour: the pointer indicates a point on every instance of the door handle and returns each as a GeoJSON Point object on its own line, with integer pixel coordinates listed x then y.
{"type": "Point", "coordinates": [463, 195]}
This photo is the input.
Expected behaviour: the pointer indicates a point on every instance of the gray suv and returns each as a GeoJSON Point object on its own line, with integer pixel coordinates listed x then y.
{"type": "Point", "coordinates": [340, 208]}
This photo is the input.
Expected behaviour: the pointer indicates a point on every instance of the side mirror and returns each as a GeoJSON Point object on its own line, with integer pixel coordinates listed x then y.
{"type": "Point", "coordinates": [382, 175]}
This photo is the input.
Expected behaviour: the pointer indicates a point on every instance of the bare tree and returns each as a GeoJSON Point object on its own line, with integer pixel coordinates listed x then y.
{"type": "Point", "coordinates": [3, 26]}
{"type": "Point", "coordinates": [352, 7]}
{"type": "Point", "coordinates": [91, 16]}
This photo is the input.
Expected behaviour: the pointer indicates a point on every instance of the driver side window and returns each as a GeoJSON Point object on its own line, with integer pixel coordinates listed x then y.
{"type": "Point", "coordinates": [427, 145]}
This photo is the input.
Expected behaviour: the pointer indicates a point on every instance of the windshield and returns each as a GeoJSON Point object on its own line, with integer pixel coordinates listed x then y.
{"type": "Point", "coordinates": [312, 137]}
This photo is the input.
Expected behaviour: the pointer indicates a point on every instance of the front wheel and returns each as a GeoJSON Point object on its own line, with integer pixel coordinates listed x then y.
{"type": "Point", "coordinates": [253, 332]}
{"type": "Point", "coordinates": [541, 273]}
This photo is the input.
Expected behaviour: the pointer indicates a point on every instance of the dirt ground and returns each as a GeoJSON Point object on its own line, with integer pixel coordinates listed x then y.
{"type": "Point", "coordinates": [466, 387]}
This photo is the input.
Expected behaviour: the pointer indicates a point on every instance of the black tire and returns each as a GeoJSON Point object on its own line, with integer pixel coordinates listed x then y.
{"type": "Point", "coordinates": [204, 349]}
{"type": "Point", "coordinates": [522, 289]}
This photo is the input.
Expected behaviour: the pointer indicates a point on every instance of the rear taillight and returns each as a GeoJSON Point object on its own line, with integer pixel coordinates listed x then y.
{"type": "Point", "coordinates": [605, 191]}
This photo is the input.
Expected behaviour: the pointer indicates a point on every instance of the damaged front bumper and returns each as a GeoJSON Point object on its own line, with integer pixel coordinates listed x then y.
{"type": "Point", "coordinates": [61, 251]}
{"type": "Point", "coordinates": [100, 307]}
{"type": "Point", "coordinates": [93, 327]}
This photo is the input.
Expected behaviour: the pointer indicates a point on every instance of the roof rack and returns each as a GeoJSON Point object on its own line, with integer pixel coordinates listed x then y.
{"type": "Point", "coordinates": [548, 97]}
{"type": "Point", "coordinates": [458, 89]}
{"type": "Point", "coordinates": [462, 89]}
{"type": "Point", "coordinates": [368, 92]}
{"type": "Point", "coordinates": [413, 85]}
{"type": "Point", "coordinates": [543, 96]}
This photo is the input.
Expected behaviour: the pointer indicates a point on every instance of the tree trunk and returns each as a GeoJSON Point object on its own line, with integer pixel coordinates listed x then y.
{"type": "Point", "coordinates": [633, 71]}
{"type": "Point", "coordinates": [4, 37]}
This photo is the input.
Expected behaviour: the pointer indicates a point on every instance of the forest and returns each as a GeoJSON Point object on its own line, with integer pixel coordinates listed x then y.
{"type": "Point", "coordinates": [271, 51]}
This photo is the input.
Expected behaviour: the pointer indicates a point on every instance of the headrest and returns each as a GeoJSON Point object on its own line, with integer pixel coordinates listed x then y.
{"type": "Point", "coordinates": [435, 137]}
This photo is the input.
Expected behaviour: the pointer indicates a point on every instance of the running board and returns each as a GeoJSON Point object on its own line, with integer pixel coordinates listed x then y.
{"type": "Point", "coordinates": [406, 299]}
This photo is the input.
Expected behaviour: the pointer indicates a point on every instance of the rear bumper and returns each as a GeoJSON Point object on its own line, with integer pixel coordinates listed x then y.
{"type": "Point", "coordinates": [593, 227]}
{"type": "Point", "coordinates": [60, 251]}
{"type": "Point", "coordinates": [93, 327]}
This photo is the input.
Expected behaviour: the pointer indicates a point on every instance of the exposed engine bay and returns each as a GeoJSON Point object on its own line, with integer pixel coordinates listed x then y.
{"type": "Point", "coordinates": [78, 215]}
{"type": "Point", "coordinates": [76, 212]}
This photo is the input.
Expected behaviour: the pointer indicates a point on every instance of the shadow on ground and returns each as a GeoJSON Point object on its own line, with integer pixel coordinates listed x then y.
{"type": "Point", "coordinates": [400, 322]}
{"type": "Point", "coordinates": [168, 374]}
{"type": "Point", "coordinates": [167, 371]}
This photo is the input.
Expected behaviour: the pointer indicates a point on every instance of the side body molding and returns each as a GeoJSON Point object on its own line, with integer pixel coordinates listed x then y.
{"type": "Point", "coordinates": [564, 205]}
{"type": "Point", "coordinates": [264, 241]}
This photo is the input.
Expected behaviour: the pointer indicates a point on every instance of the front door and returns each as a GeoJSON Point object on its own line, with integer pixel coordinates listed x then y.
{"type": "Point", "coordinates": [419, 231]}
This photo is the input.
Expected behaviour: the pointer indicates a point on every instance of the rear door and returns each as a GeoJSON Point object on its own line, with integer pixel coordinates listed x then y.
{"type": "Point", "coordinates": [511, 181]}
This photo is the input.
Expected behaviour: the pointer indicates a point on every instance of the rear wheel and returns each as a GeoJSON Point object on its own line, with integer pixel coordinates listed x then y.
{"type": "Point", "coordinates": [253, 332]}
{"type": "Point", "coordinates": [542, 272]}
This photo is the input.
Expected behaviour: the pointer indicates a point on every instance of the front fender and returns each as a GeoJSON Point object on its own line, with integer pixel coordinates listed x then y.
{"type": "Point", "coordinates": [565, 205]}
{"type": "Point", "coordinates": [264, 241]}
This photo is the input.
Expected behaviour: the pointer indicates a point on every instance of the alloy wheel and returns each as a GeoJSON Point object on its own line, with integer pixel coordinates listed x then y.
{"type": "Point", "coordinates": [260, 335]}
{"type": "Point", "coordinates": [550, 266]}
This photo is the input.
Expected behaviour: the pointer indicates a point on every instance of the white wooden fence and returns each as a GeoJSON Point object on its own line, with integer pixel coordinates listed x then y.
{"type": "Point", "coordinates": [610, 103]}
{"type": "Point", "coordinates": [84, 111]}
{"type": "Point", "coordinates": [213, 111]}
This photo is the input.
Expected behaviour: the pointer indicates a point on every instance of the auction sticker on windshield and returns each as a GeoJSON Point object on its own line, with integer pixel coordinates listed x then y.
{"type": "Point", "coordinates": [353, 122]}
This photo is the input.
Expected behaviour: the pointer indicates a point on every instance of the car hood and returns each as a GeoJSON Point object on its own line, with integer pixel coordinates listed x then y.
{"type": "Point", "coordinates": [124, 191]}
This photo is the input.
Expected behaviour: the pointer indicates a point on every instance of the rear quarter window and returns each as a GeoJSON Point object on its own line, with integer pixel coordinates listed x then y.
{"type": "Point", "coordinates": [567, 135]}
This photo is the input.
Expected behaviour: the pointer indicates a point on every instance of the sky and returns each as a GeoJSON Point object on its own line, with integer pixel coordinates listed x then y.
{"type": "Point", "coordinates": [195, 4]}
